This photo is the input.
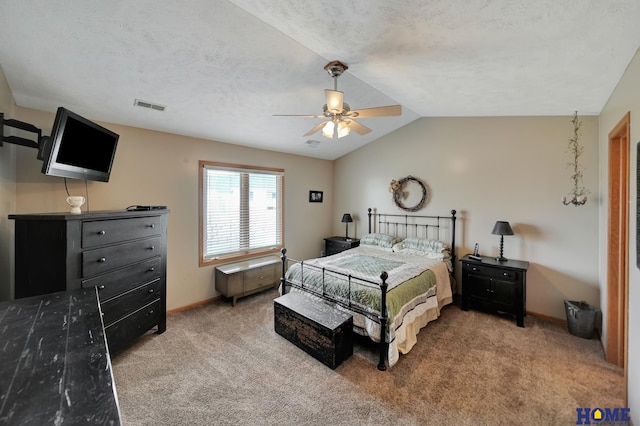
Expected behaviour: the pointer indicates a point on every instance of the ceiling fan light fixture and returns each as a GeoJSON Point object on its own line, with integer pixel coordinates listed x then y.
{"type": "Point", "coordinates": [343, 129]}
{"type": "Point", "coordinates": [328, 129]}
{"type": "Point", "coordinates": [338, 117]}
{"type": "Point", "coordinates": [335, 100]}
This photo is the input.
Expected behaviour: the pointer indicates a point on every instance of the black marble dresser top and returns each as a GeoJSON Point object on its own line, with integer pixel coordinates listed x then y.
{"type": "Point", "coordinates": [54, 363]}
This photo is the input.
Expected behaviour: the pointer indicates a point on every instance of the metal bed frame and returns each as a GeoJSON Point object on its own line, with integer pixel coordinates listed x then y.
{"type": "Point", "coordinates": [413, 225]}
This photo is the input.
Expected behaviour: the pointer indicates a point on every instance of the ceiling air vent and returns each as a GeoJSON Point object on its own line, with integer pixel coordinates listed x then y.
{"type": "Point", "coordinates": [149, 105]}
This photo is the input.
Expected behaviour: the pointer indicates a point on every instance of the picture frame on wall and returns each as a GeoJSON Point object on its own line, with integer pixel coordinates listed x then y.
{"type": "Point", "coordinates": [315, 196]}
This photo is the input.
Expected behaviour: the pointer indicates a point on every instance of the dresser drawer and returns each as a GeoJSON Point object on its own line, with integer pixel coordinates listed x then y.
{"type": "Point", "coordinates": [98, 261]}
{"type": "Point", "coordinates": [491, 272]}
{"type": "Point", "coordinates": [129, 302]}
{"type": "Point", "coordinates": [121, 280]}
{"type": "Point", "coordinates": [122, 332]}
{"type": "Point", "coordinates": [102, 232]}
{"type": "Point", "coordinates": [260, 277]}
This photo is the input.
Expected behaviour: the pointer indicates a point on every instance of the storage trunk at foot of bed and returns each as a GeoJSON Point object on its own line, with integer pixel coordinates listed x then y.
{"type": "Point", "coordinates": [319, 329]}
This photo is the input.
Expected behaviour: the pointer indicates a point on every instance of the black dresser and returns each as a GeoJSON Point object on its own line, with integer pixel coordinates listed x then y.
{"type": "Point", "coordinates": [495, 285]}
{"type": "Point", "coordinates": [121, 253]}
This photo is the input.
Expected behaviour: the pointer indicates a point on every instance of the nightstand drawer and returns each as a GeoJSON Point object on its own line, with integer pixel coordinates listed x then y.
{"type": "Point", "coordinates": [335, 245]}
{"type": "Point", "coordinates": [492, 272]}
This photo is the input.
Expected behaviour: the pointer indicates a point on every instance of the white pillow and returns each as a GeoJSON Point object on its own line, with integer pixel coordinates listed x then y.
{"type": "Point", "coordinates": [380, 240]}
{"type": "Point", "coordinates": [422, 245]}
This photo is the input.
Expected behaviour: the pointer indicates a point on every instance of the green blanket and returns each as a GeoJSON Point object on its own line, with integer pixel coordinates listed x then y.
{"type": "Point", "coordinates": [355, 279]}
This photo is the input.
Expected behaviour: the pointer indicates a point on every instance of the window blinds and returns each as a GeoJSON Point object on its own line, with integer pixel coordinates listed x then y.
{"type": "Point", "coordinates": [242, 210]}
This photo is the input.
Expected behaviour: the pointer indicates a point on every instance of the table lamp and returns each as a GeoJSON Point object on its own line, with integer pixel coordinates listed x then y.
{"type": "Point", "coordinates": [502, 228]}
{"type": "Point", "coordinates": [346, 218]}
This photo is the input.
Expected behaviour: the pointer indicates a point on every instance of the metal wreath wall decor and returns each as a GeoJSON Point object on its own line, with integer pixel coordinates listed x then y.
{"type": "Point", "coordinates": [396, 189]}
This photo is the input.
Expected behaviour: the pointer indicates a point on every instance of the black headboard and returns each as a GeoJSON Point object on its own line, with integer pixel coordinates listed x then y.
{"type": "Point", "coordinates": [441, 228]}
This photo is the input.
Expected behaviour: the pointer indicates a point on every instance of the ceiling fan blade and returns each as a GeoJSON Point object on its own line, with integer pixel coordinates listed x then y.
{"type": "Point", "coordinates": [299, 115]}
{"type": "Point", "coordinates": [358, 128]}
{"type": "Point", "coordinates": [383, 111]}
{"type": "Point", "coordinates": [315, 129]}
{"type": "Point", "coordinates": [335, 100]}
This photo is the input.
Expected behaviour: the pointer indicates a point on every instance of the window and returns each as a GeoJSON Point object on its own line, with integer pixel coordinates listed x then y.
{"type": "Point", "coordinates": [241, 211]}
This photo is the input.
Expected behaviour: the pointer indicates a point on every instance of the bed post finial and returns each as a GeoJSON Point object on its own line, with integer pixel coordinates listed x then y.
{"type": "Point", "coordinates": [453, 237]}
{"type": "Point", "coordinates": [283, 289]}
{"type": "Point", "coordinates": [369, 213]}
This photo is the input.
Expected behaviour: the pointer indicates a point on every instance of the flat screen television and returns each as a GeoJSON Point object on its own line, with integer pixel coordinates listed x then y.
{"type": "Point", "coordinates": [78, 148]}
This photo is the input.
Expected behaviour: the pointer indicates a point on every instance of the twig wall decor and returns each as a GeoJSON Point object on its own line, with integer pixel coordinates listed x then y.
{"type": "Point", "coordinates": [396, 188]}
{"type": "Point", "coordinates": [579, 193]}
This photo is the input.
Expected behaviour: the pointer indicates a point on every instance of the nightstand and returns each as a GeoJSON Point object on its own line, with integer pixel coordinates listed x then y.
{"type": "Point", "coordinates": [494, 285]}
{"type": "Point", "coordinates": [333, 245]}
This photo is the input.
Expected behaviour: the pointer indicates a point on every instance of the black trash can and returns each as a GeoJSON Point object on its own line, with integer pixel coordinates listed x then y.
{"type": "Point", "coordinates": [581, 318]}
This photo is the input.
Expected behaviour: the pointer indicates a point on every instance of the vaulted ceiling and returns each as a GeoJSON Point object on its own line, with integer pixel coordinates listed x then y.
{"type": "Point", "coordinates": [224, 68]}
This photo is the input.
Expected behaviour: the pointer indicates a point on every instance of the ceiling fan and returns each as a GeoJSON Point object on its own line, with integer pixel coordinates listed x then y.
{"type": "Point", "coordinates": [338, 117]}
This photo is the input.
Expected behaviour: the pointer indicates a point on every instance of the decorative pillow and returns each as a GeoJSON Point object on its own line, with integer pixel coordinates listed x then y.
{"type": "Point", "coordinates": [423, 245]}
{"type": "Point", "coordinates": [437, 256]}
{"type": "Point", "coordinates": [379, 240]}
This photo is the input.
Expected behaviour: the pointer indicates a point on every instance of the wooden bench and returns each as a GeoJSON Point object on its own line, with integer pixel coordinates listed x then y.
{"type": "Point", "coordinates": [247, 277]}
{"type": "Point", "coordinates": [316, 327]}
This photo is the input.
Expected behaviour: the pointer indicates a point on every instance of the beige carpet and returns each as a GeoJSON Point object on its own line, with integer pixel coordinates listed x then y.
{"type": "Point", "coordinates": [221, 365]}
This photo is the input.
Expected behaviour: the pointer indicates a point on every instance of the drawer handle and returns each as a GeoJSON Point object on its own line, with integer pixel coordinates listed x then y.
{"type": "Point", "coordinates": [153, 225]}
{"type": "Point", "coordinates": [150, 290]}
{"type": "Point", "coordinates": [101, 232]}
{"type": "Point", "coordinates": [474, 268]}
{"type": "Point", "coordinates": [150, 312]}
{"type": "Point", "coordinates": [100, 287]}
{"type": "Point", "coordinates": [505, 274]}
{"type": "Point", "coordinates": [152, 248]}
{"type": "Point", "coordinates": [102, 260]}
{"type": "Point", "coordinates": [151, 269]}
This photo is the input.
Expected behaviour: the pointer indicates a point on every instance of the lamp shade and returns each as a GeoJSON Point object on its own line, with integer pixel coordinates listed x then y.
{"type": "Point", "coordinates": [343, 129]}
{"type": "Point", "coordinates": [346, 218]}
{"type": "Point", "coordinates": [502, 228]}
{"type": "Point", "coordinates": [328, 128]}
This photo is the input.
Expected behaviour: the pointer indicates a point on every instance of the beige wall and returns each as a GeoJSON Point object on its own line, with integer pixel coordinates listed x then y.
{"type": "Point", "coordinates": [492, 169]}
{"type": "Point", "coordinates": [625, 98]}
{"type": "Point", "coordinates": [159, 168]}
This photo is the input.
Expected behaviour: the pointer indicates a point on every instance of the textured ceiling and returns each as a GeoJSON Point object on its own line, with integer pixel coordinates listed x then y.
{"type": "Point", "coordinates": [224, 68]}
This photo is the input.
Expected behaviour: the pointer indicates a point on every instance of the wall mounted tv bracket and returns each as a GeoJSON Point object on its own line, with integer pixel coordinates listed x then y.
{"type": "Point", "coordinates": [17, 140]}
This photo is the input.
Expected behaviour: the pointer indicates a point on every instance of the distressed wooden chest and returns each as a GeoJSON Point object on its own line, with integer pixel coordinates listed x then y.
{"type": "Point", "coordinates": [316, 327]}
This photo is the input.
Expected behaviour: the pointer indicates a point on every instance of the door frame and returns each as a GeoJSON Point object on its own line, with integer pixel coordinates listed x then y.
{"type": "Point", "coordinates": [618, 244]}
